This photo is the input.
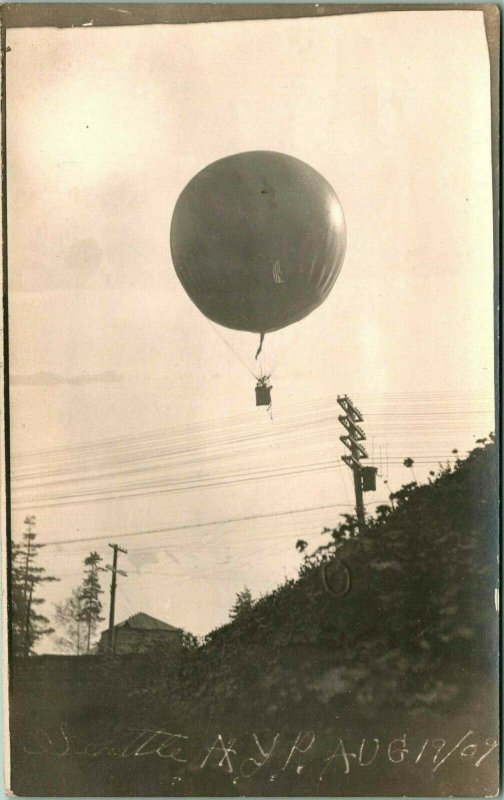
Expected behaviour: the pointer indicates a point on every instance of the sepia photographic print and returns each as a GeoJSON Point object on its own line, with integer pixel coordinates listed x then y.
{"type": "Point", "coordinates": [251, 485]}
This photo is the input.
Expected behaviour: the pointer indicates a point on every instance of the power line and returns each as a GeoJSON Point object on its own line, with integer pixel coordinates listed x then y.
{"type": "Point", "coordinates": [194, 525]}
{"type": "Point", "coordinates": [188, 428]}
{"type": "Point", "coordinates": [138, 466]}
{"type": "Point", "coordinates": [244, 418]}
{"type": "Point", "coordinates": [98, 496]}
{"type": "Point", "coordinates": [281, 532]}
{"type": "Point", "coordinates": [84, 497]}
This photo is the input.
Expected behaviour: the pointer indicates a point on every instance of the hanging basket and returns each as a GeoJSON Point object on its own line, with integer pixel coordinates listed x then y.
{"type": "Point", "coordinates": [263, 395]}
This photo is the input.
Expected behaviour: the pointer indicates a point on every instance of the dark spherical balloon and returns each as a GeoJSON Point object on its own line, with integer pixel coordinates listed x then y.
{"type": "Point", "coordinates": [257, 240]}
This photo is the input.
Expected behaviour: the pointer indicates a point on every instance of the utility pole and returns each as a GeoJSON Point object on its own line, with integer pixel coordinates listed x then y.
{"type": "Point", "coordinates": [364, 477]}
{"type": "Point", "coordinates": [115, 572]}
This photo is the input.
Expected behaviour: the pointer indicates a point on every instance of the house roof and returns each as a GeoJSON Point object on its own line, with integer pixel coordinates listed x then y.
{"type": "Point", "coordinates": [144, 622]}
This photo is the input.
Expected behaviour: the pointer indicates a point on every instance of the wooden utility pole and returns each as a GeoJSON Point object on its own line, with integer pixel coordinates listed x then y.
{"type": "Point", "coordinates": [115, 572]}
{"type": "Point", "coordinates": [353, 440]}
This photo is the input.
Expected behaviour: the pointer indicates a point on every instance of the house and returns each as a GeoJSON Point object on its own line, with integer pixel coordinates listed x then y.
{"type": "Point", "coordinates": [141, 633]}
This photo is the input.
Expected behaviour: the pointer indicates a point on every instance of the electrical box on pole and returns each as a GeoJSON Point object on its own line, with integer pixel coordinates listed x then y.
{"type": "Point", "coordinates": [368, 479]}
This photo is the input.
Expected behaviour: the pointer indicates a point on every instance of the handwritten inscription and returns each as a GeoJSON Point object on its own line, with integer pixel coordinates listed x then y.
{"type": "Point", "coordinates": [243, 757]}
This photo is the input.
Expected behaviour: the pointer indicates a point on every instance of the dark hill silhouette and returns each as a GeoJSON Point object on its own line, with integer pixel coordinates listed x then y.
{"type": "Point", "coordinates": [412, 646]}
{"type": "Point", "coordinates": [417, 628]}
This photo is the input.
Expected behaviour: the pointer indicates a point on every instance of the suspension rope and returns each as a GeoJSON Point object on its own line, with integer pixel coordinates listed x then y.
{"type": "Point", "coordinates": [232, 349]}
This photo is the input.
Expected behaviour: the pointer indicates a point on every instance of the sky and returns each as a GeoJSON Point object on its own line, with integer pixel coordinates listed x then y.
{"type": "Point", "coordinates": [130, 412]}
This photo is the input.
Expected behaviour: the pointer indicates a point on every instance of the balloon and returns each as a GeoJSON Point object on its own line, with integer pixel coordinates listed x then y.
{"type": "Point", "coordinates": [257, 240]}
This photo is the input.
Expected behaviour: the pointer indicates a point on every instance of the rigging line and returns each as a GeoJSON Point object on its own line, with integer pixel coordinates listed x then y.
{"type": "Point", "coordinates": [231, 348]}
{"type": "Point", "coordinates": [193, 525]}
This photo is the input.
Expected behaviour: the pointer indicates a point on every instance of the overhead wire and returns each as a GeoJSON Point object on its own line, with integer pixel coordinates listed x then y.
{"type": "Point", "coordinates": [212, 424]}
{"type": "Point", "coordinates": [291, 431]}
{"type": "Point", "coordinates": [125, 468]}
{"type": "Point", "coordinates": [85, 497]}
{"type": "Point", "coordinates": [194, 525]}
{"type": "Point", "coordinates": [165, 486]}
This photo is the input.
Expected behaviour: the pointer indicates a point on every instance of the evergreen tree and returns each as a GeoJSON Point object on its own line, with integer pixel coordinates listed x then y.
{"type": "Point", "coordinates": [90, 592]}
{"type": "Point", "coordinates": [28, 626]}
{"type": "Point", "coordinates": [243, 603]}
{"type": "Point", "coordinates": [68, 618]}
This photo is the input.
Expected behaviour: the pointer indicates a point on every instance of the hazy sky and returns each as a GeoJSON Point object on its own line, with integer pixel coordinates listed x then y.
{"type": "Point", "coordinates": [105, 128]}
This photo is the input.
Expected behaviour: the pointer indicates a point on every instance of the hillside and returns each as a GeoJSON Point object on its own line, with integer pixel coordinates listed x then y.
{"type": "Point", "coordinates": [412, 646]}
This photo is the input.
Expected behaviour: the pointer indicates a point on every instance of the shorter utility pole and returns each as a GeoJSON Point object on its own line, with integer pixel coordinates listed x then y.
{"type": "Point", "coordinates": [364, 477]}
{"type": "Point", "coordinates": [115, 572]}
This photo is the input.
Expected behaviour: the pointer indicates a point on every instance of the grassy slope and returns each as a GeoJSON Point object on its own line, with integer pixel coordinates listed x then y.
{"type": "Point", "coordinates": [416, 628]}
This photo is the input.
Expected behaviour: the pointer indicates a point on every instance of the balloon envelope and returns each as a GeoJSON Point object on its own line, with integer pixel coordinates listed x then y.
{"type": "Point", "coordinates": [257, 240]}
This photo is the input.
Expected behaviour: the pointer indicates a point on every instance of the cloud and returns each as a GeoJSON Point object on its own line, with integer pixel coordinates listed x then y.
{"type": "Point", "coordinates": [55, 379]}
{"type": "Point", "coordinates": [139, 560]}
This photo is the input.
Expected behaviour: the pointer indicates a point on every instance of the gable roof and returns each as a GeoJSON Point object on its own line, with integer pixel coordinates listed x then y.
{"type": "Point", "coordinates": [144, 622]}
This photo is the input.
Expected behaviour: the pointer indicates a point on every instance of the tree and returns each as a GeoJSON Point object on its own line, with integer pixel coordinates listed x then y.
{"type": "Point", "coordinates": [28, 626]}
{"type": "Point", "coordinates": [242, 604]}
{"type": "Point", "coordinates": [90, 592]}
{"type": "Point", "coordinates": [408, 463]}
{"type": "Point", "coordinates": [67, 617]}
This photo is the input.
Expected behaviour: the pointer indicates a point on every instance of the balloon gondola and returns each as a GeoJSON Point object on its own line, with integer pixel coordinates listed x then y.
{"type": "Point", "coordinates": [257, 240]}
{"type": "Point", "coordinates": [263, 391]}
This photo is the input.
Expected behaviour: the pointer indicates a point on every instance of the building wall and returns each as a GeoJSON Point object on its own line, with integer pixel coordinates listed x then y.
{"type": "Point", "coordinates": [128, 640]}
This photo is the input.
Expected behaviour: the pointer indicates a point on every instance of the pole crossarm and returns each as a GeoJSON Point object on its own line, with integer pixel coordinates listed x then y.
{"type": "Point", "coordinates": [355, 430]}
{"type": "Point", "coordinates": [116, 547]}
{"type": "Point", "coordinates": [349, 408]}
{"type": "Point", "coordinates": [118, 571]}
{"type": "Point", "coordinates": [351, 462]}
{"type": "Point", "coordinates": [354, 446]}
